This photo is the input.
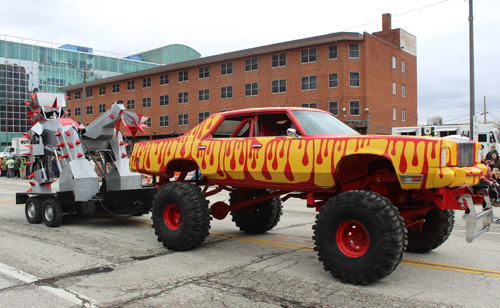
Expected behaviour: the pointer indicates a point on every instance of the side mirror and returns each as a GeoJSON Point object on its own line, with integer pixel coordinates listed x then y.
{"type": "Point", "coordinates": [292, 132]}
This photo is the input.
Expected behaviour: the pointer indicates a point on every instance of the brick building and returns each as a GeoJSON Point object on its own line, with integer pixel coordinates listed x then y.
{"type": "Point", "coordinates": [368, 81]}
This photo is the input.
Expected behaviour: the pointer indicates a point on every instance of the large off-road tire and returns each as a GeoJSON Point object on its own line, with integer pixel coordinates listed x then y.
{"type": "Point", "coordinates": [435, 231]}
{"type": "Point", "coordinates": [359, 236]}
{"type": "Point", "coordinates": [34, 210]}
{"type": "Point", "coordinates": [260, 217]}
{"type": "Point", "coordinates": [181, 217]}
{"type": "Point", "coordinates": [52, 213]}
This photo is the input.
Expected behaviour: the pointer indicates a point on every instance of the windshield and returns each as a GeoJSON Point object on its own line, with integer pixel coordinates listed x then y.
{"type": "Point", "coordinates": [321, 123]}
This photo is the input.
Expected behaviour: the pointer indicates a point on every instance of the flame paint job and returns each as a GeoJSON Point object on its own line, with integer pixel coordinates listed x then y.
{"type": "Point", "coordinates": [309, 162]}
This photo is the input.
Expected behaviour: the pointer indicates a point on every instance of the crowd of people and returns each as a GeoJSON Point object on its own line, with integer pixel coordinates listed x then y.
{"type": "Point", "coordinates": [14, 167]}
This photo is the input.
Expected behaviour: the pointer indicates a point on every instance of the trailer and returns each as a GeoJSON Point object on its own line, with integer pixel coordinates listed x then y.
{"type": "Point", "coordinates": [487, 134]}
{"type": "Point", "coordinates": [73, 147]}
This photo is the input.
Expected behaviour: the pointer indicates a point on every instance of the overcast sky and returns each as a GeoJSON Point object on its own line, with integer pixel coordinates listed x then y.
{"type": "Point", "coordinates": [215, 27]}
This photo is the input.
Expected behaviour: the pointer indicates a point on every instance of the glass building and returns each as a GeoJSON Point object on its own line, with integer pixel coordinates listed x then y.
{"type": "Point", "coordinates": [29, 68]}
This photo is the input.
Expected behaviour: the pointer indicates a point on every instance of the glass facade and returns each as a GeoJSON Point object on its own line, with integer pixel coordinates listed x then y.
{"type": "Point", "coordinates": [27, 68]}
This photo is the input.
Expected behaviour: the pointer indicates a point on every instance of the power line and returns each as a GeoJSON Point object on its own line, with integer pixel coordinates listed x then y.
{"type": "Point", "coordinates": [371, 22]}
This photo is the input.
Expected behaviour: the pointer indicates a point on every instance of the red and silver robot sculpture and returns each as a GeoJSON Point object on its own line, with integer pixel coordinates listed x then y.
{"type": "Point", "coordinates": [120, 192]}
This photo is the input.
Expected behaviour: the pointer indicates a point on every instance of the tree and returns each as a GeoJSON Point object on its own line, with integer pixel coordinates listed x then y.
{"type": "Point", "coordinates": [435, 120]}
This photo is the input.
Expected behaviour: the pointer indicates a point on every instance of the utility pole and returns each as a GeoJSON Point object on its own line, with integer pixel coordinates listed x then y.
{"type": "Point", "coordinates": [485, 110]}
{"type": "Point", "coordinates": [471, 71]}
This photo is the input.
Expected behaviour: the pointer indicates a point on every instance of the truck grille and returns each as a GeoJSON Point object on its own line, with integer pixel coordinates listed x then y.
{"type": "Point", "coordinates": [465, 153]}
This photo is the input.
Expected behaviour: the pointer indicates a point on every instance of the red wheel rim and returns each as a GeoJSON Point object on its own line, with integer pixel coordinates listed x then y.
{"type": "Point", "coordinates": [352, 239]}
{"type": "Point", "coordinates": [172, 216]}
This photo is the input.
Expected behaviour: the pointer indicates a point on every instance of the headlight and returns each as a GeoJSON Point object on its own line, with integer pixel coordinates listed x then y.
{"type": "Point", "coordinates": [443, 157]}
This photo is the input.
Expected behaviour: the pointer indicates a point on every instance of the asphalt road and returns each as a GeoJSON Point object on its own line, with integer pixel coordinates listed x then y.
{"type": "Point", "coordinates": [108, 262]}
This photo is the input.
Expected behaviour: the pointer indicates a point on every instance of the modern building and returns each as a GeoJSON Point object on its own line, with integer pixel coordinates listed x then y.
{"type": "Point", "coordinates": [28, 68]}
{"type": "Point", "coordinates": [368, 81]}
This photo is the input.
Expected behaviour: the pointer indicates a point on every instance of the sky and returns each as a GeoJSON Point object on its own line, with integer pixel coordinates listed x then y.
{"type": "Point", "coordinates": [215, 27]}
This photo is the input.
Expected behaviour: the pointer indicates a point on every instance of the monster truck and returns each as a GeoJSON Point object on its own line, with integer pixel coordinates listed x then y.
{"type": "Point", "coordinates": [376, 195]}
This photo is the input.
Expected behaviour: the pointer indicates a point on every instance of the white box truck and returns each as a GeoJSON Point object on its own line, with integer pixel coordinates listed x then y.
{"type": "Point", "coordinates": [18, 147]}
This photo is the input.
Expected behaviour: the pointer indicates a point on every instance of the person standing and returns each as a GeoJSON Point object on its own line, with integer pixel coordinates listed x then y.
{"type": "Point", "coordinates": [17, 164]}
{"type": "Point", "coordinates": [4, 166]}
{"type": "Point", "coordinates": [22, 168]}
{"type": "Point", "coordinates": [493, 150]}
{"type": "Point", "coordinates": [10, 167]}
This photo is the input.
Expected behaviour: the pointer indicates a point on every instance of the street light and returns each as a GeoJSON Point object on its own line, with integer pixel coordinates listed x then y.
{"type": "Point", "coordinates": [84, 76]}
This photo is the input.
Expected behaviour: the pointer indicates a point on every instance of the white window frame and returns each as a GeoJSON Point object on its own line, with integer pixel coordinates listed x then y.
{"type": "Point", "coordinates": [394, 85]}
{"type": "Point", "coordinates": [394, 114]}
{"type": "Point", "coordinates": [403, 66]}
{"type": "Point", "coordinates": [403, 115]}
{"type": "Point", "coordinates": [393, 62]}
{"type": "Point", "coordinates": [403, 91]}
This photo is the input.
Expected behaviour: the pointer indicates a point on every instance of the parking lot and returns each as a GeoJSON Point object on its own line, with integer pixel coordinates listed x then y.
{"type": "Point", "coordinates": [117, 262]}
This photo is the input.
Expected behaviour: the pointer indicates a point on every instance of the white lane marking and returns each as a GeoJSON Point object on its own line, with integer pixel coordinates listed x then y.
{"type": "Point", "coordinates": [73, 297]}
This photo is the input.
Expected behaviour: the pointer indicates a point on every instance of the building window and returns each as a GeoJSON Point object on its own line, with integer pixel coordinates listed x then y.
{"type": "Point", "coordinates": [310, 105]}
{"type": "Point", "coordinates": [394, 113]}
{"type": "Point", "coordinates": [204, 72]}
{"type": "Point", "coordinates": [354, 79]}
{"type": "Point", "coordinates": [102, 108]}
{"type": "Point", "coordinates": [394, 88]}
{"type": "Point", "coordinates": [183, 97]}
{"type": "Point", "coordinates": [308, 55]}
{"type": "Point", "coordinates": [68, 113]}
{"type": "Point", "coordinates": [252, 89]}
{"type": "Point", "coordinates": [204, 95]}
{"type": "Point", "coordinates": [309, 83]}
{"type": "Point", "coordinates": [403, 115]}
{"type": "Point", "coordinates": [333, 52]}
{"type": "Point", "coordinates": [69, 96]}
{"type": "Point", "coordinates": [131, 104]}
{"type": "Point", "coordinates": [147, 124]}
{"type": "Point", "coordinates": [164, 100]}
{"type": "Point", "coordinates": [183, 119]}
{"type": "Point", "coordinates": [354, 108]}
{"type": "Point", "coordinates": [146, 102]}
{"type": "Point", "coordinates": [164, 79]}
{"type": "Point", "coordinates": [226, 92]}
{"type": "Point", "coordinates": [90, 92]}
{"type": "Point", "coordinates": [279, 86]}
{"type": "Point", "coordinates": [278, 60]}
{"type": "Point", "coordinates": [78, 95]}
{"type": "Point", "coordinates": [102, 90]}
{"type": "Point", "coordinates": [333, 80]}
{"type": "Point", "coordinates": [353, 50]}
{"type": "Point", "coordinates": [183, 76]}
{"type": "Point", "coordinates": [164, 121]}
{"type": "Point", "coordinates": [77, 111]}
{"type": "Point", "coordinates": [333, 107]}
{"type": "Point", "coordinates": [393, 62]}
{"type": "Point", "coordinates": [226, 68]}
{"type": "Point", "coordinates": [116, 88]}
{"type": "Point", "coordinates": [403, 91]}
{"type": "Point", "coordinates": [251, 64]}
{"type": "Point", "coordinates": [130, 85]}
{"type": "Point", "coordinates": [146, 82]}
{"type": "Point", "coordinates": [90, 110]}
{"type": "Point", "coordinates": [403, 66]}
{"type": "Point", "coordinates": [202, 116]}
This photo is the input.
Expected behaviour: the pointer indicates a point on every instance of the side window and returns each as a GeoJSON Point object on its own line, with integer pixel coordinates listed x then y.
{"type": "Point", "coordinates": [235, 127]}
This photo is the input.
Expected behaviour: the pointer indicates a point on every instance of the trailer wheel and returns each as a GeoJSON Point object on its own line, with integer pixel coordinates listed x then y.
{"type": "Point", "coordinates": [181, 217]}
{"type": "Point", "coordinates": [435, 231]}
{"type": "Point", "coordinates": [359, 236]}
{"type": "Point", "coordinates": [52, 213]}
{"type": "Point", "coordinates": [257, 218]}
{"type": "Point", "coordinates": [33, 210]}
